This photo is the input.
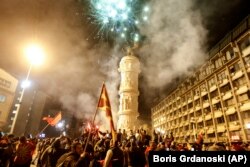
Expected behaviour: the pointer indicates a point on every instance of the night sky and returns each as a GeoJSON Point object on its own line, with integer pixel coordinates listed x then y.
{"type": "Point", "coordinates": [63, 28]}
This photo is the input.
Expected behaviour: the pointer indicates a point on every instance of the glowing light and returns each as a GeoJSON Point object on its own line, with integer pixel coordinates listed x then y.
{"type": "Point", "coordinates": [35, 54]}
{"type": "Point", "coordinates": [60, 125]}
{"type": "Point", "coordinates": [25, 84]}
{"type": "Point", "coordinates": [118, 17]}
{"type": "Point", "coordinates": [146, 9]}
{"type": "Point", "coordinates": [136, 38]}
{"type": "Point", "coordinates": [123, 35]}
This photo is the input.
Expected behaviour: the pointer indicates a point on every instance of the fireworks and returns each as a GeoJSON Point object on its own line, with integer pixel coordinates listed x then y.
{"type": "Point", "coordinates": [119, 18]}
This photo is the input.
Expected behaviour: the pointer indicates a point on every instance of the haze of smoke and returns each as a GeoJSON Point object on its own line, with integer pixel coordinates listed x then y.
{"type": "Point", "coordinates": [83, 78]}
{"type": "Point", "coordinates": [75, 71]}
{"type": "Point", "coordinates": [175, 43]}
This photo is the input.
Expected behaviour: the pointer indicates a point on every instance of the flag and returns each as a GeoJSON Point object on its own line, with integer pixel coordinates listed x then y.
{"type": "Point", "coordinates": [104, 105]}
{"type": "Point", "coordinates": [57, 118]}
{"type": "Point", "coordinates": [53, 121]}
{"type": "Point", "coordinates": [47, 119]}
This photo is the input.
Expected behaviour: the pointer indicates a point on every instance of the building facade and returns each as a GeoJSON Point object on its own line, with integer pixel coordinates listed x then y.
{"type": "Point", "coordinates": [8, 86]}
{"type": "Point", "coordinates": [215, 100]}
{"type": "Point", "coordinates": [30, 113]}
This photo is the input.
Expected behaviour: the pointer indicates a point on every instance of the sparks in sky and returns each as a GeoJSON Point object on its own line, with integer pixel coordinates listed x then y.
{"type": "Point", "coordinates": [119, 18]}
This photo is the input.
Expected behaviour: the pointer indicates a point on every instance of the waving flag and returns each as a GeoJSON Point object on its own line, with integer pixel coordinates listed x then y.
{"type": "Point", "coordinates": [104, 105]}
{"type": "Point", "coordinates": [53, 121]}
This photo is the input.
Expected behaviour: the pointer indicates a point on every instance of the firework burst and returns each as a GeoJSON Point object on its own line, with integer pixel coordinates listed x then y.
{"type": "Point", "coordinates": [119, 18]}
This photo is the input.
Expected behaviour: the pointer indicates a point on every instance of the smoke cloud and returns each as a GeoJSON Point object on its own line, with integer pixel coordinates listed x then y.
{"type": "Point", "coordinates": [175, 41]}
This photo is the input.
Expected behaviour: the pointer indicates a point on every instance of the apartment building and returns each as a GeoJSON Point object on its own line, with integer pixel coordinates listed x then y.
{"type": "Point", "coordinates": [8, 86]}
{"type": "Point", "coordinates": [215, 100]}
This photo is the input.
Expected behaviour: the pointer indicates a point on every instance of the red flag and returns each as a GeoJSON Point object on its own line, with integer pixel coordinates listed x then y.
{"type": "Point", "coordinates": [104, 105]}
{"type": "Point", "coordinates": [53, 121]}
{"type": "Point", "coordinates": [47, 119]}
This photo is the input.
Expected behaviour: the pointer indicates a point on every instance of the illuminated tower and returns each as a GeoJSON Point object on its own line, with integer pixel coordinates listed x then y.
{"type": "Point", "coordinates": [128, 108]}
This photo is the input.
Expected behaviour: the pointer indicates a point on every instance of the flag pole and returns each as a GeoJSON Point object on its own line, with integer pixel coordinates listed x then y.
{"type": "Point", "coordinates": [86, 144]}
{"type": "Point", "coordinates": [43, 129]}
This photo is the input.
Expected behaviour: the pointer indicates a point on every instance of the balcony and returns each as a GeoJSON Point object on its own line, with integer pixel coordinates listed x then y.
{"type": "Point", "coordinates": [242, 89]}
{"type": "Point", "coordinates": [246, 51]}
{"type": "Point", "coordinates": [199, 119]}
{"type": "Point", "coordinates": [230, 110]}
{"type": "Point", "coordinates": [221, 128]}
{"type": "Point", "coordinates": [212, 88]}
{"type": "Point", "coordinates": [224, 82]}
{"type": "Point", "coordinates": [217, 114]}
{"type": "Point", "coordinates": [237, 75]}
{"type": "Point", "coordinates": [203, 93]}
{"type": "Point", "coordinates": [185, 113]}
{"type": "Point", "coordinates": [215, 100]}
{"type": "Point", "coordinates": [206, 104]}
{"type": "Point", "coordinates": [228, 95]}
{"type": "Point", "coordinates": [196, 97]}
{"type": "Point", "coordinates": [197, 107]}
{"type": "Point", "coordinates": [208, 117]}
{"type": "Point", "coordinates": [233, 126]}
{"type": "Point", "coordinates": [245, 106]}
{"type": "Point", "coordinates": [191, 110]}
{"type": "Point", "coordinates": [210, 130]}
{"type": "Point", "coordinates": [189, 100]}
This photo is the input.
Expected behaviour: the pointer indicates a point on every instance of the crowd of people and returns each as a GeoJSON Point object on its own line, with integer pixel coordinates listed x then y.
{"type": "Point", "coordinates": [98, 149]}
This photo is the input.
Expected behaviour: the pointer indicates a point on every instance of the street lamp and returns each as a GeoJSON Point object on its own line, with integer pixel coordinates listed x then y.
{"type": "Point", "coordinates": [35, 56]}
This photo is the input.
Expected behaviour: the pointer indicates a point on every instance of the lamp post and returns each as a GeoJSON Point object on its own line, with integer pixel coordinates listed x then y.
{"type": "Point", "coordinates": [35, 56]}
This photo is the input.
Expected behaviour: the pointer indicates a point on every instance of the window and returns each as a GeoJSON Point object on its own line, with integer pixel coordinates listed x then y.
{"type": "Point", "coordinates": [245, 43]}
{"type": "Point", "coordinates": [236, 67]}
{"type": "Point", "coordinates": [230, 54]}
{"type": "Point", "coordinates": [247, 60]}
{"type": "Point", "coordinates": [217, 106]}
{"type": "Point", "coordinates": [220, 120]}
{"type": "Point", "coordinates": [248, 134]}
{"type": "Point", "coordinates": [211, 135]}
{"type": "Point", "coordinates": [218, 63]}
{"type": "Point", "coordinates": [230, 102]}
{"type": "Point", "coordinates": [244, 97]}
{"type": "Point", "coordinates": [200, 125]}
{"type": "Point", "coordinates": [2, 98]}
{"type": "Point", "coordinates": [246, 114]}
{"type": "Point", "coordinates": [214, 94]}
{"type": "Point", "coordinates": [190, 105]}
{"type": "Point", "coordinates": [209, 122]}
{"type": "Point", "coordinates": [222, 76]}
{"type": "Point", "coordinates": [225, 88]}
{"type": "Point", "coordinates": [198, 113]}
{"type": "Point", "coordinates": [233, 117]}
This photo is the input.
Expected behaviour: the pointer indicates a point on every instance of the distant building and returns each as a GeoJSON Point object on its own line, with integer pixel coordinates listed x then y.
{"type": "Point", "coordinates": [216, 99]}
{"type": "Point", "coordinates": [8, 86]}
{"type": "Point", "coordinates": [30, 113]}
